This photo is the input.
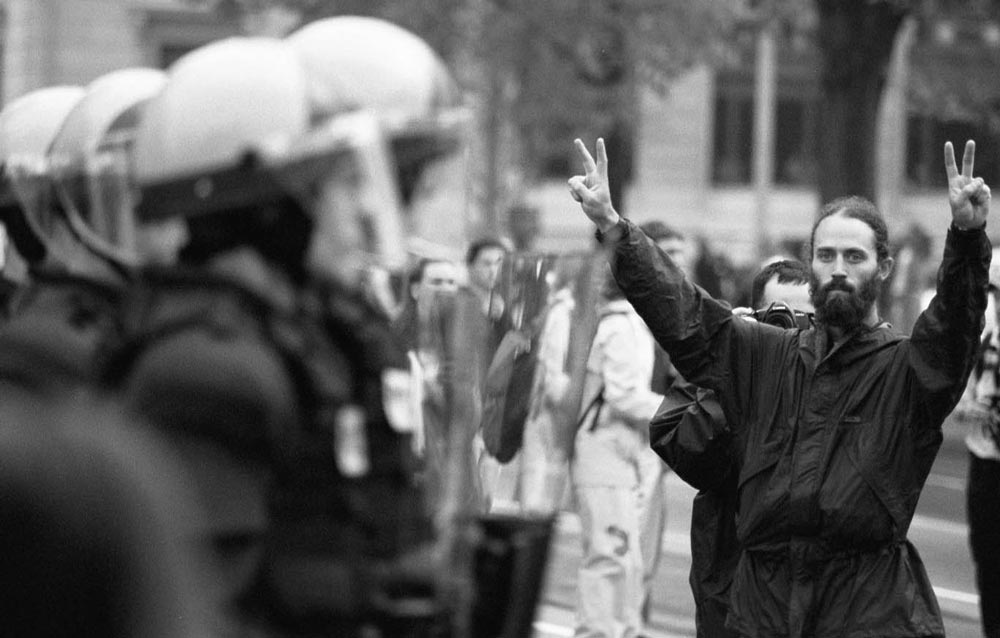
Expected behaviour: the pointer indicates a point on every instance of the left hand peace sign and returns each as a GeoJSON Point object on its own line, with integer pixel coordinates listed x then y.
{"type": "Point", "coordinates": [969, 196]}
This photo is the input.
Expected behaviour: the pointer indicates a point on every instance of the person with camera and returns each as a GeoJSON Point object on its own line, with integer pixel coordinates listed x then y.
{"type": "Point", "coordinates": [836, 426]}
{"type": "Point", "coordinates": [780, 294]}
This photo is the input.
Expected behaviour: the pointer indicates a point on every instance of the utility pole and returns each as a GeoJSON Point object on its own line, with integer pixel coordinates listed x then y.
{"type": "Point", "coordinates": [765, 88]}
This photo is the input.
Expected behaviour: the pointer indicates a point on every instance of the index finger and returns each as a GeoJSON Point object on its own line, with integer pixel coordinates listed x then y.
{"type": "Point", "coordinates": [968, 158]}
{"type": "Point", "coordinates": [588, 161]}
{"type": "Point", "coordinates": [602, 159]}
{"type": "Point", "coordinates": [949, 161]}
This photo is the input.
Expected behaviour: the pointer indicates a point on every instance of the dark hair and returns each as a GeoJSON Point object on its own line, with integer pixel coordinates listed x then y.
{"type": "Point", "coordinates": [788, 271]}
{"type": "Point", "coordinates": [405, 325]}
{"type": "Point", "coordinates": [481, 244]}
{"type": "Point", "coordinates": [855, 207]}
{"type": "Point", "coordinates": [417, 274]}
{"type": "Point", "coordinates": [658, 231]}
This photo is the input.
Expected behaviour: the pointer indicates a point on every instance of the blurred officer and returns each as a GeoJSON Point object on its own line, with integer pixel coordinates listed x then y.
{"type": "Point", "coordinates": [288, 427]}
{"type": "Point", "coordinates": [72, 224]}
{"type": "Point", "coordinates": [96, 523]}
{"type": "Point", "coordinates": [354, 62]}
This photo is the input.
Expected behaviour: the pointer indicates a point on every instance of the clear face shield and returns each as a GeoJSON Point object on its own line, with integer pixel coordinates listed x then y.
{"type": "Point", "coordinates": [29, 180]}
{"type": "Point", "coordinates": [96, 193]}
{"type": "Point", "coordinates": [357, 234]}
{"type": "Point", "coordinates": [433, 173]}
{"type": "Point", "coordinates": [499, 403]}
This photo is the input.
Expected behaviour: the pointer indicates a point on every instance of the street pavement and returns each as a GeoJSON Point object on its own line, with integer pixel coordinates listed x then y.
{"type": "Point", "coordinates": [938, 531]}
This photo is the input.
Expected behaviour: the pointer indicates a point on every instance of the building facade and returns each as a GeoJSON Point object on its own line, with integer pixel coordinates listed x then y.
{"type": "Point", "coordinates": [694, 152]}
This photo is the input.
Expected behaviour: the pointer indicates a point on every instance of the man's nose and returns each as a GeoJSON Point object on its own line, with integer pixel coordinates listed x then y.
{"type": "Point", "coordinates": [840, 267]}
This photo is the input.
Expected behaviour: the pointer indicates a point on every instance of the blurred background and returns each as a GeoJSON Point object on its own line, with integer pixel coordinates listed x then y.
{"type": "Point", "coordinates": [731, 119]}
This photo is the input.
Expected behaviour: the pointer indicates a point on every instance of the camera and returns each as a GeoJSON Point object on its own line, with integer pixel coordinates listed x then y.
{"type": "Point", "coordinates": [780, 315]}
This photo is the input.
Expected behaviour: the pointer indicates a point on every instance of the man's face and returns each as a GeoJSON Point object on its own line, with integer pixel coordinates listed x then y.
{"type": "Point", "coordinates": [795, 296]}
{"type": "Point", "coordinates": [846, 274]}
{"type": "Point", "coordinates": [485, 268]}
{"type": "Point", "coordinates": [677, 249]}
{"type": "Point", "coordinates": [439, 277]}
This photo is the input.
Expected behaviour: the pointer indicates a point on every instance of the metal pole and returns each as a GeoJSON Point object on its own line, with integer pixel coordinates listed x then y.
{"type": "Point", "coordinates": [765, 88]}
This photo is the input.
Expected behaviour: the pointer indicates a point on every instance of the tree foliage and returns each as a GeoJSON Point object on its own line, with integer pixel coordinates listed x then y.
{"type": "Point", "coordinates": [546, 70]}
{"type": "Point", "coordinates": [563, 64]}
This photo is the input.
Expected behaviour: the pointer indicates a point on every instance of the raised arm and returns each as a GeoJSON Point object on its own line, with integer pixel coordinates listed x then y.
{"type": "Point", "coordinates": [946, 335]}
{"type": "Point", "coordinates": [695, 329]}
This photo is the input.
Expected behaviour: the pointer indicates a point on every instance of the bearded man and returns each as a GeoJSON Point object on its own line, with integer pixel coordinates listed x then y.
{"type": "Point", "coordinates": [836, 425]}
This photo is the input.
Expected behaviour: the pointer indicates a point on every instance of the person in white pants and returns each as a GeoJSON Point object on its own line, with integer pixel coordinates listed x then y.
{"type": "Point", "coordinates": [616, 476]}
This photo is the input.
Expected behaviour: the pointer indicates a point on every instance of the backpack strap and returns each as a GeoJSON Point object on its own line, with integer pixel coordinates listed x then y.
{"type": "Point", "coordinates": [598, 402]}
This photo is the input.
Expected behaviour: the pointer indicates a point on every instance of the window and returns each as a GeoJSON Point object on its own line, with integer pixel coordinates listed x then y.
{"type": "Point", "coordinates": [170, 33]}
{"type": "Point", "coordinates": [795, 126]}
{"type": "Point", "coordinates": [925, 138]}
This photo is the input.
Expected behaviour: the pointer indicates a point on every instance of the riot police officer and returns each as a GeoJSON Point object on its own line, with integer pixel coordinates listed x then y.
{"type": "Point", "coordinates": [365, 63]}
{"type": "Point", "coordinates": [285, 410]}
{"type": "Point", "coordinates": [61, 165]}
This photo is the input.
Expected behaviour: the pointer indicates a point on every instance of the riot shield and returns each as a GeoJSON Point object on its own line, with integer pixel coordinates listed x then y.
{"type": "Point", "coordinates": [499, 403]}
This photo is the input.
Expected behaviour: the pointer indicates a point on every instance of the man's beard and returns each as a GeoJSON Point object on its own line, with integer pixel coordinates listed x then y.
{"type": "Point", "coordinates": [844, 310]}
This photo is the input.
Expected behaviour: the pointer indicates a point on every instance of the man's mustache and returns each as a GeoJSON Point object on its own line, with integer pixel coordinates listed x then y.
{"type": "Point", "coordinates": [838, 285]}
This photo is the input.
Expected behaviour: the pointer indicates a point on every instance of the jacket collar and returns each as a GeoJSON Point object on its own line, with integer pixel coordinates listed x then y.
{"type": "Point", "coordinates": [863, 342]}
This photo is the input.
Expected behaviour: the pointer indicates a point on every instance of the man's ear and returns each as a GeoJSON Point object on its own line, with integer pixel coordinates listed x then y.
{"type": "Point", "coordinates": [885, 268]}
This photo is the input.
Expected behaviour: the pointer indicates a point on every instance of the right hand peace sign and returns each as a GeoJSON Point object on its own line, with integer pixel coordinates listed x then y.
{"type": "Point", "coordinates": [969, 196]}
{"type": "Point", "coordinates": [591, 189]}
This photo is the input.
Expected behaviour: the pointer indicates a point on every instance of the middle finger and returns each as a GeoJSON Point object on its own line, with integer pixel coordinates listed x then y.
{"type": "Point", "coordinates": [968, 158]}
{"type": "Point", "coordinates": [588, 161]}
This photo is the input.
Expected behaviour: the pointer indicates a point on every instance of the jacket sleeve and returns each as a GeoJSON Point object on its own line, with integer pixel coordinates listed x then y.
{"type": "Point", "coordinates": [946, 335]}
{"type": "Point", "coordinates": [705, 344]}
{"type": "Point", "coordinates": [691, 435]}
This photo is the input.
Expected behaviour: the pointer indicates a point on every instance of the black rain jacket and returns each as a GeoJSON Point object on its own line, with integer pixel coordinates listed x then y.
{"type": "Point", "coordinates": [836, 442]}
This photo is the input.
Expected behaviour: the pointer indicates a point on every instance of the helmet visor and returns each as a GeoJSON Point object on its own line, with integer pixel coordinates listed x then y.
{"type": "Point", "coordinates": [432, 171]}
{"type": "Point", "coordinates": [352, 197]}
{"type": "Point", "coordinates": [95, 192]}
{"type": "Point", "coordinates": [30, 183]}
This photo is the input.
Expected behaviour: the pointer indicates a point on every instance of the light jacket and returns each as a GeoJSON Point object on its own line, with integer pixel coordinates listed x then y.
{"type": "Point", "coordinates": [618, 372]}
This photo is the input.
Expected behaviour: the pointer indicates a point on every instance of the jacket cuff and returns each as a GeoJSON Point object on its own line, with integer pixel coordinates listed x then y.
{"type": "Point", "coordinates": [967, 239]}
{"type": "Point", "coordinates": [614, 234]}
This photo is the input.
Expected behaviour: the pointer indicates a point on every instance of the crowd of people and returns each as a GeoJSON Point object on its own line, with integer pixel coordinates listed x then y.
{"type": "Point", "coordinates": [218, 417]}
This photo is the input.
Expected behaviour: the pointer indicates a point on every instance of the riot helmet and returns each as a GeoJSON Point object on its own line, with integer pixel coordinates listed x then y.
{"type": "Point", "coordinates": [27, 127]}
{"type": "Point", "coordinates": [89, 161]}
{"type": "Point", "coordinates": [358, 63]}
{"type": "Point", "coordinates": [227, 145]}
